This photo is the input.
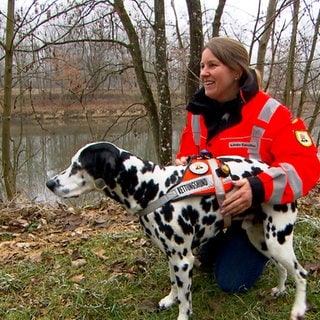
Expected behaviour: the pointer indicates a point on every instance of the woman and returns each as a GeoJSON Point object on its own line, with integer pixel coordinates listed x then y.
{"type": "Point", "coordinates": [237, 118]}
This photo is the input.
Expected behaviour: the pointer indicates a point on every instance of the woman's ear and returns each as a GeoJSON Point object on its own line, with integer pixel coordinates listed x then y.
{"type": "Point", "coordinates": [238, 74]}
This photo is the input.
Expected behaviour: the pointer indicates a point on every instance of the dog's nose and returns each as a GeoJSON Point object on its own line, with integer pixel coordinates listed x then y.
{"type": "Point", "coordinates": [51, 184]}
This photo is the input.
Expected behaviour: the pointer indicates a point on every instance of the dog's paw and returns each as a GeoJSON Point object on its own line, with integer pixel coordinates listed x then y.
{"type": "Point", "coordinates": [276, 292]}
{"type": "Point", "coordinates": [297, 312]}
{"type": "Point", "coordinates": [167, 302]}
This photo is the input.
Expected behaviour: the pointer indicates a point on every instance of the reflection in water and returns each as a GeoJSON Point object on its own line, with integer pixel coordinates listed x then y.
{"type": "Point", "coordinates": [47, 150]}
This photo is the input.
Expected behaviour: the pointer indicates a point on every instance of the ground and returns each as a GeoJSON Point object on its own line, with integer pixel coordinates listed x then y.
{"type": "Point", "coordinates": [93, 262]}
{"type": "Point", "coordinates": [27, 229]}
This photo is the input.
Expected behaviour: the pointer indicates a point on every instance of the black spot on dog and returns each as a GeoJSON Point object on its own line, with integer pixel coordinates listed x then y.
{"type": "Point", "coordinates": [190, 214]}
{"type": "Point", "coordinates": [178, 239]}
{"type": "Point", "coordinates": [167, 210]}
{"type": "Point", "coordinates": [281, 235]}
{"type": "Point", "coordinates": [209, 204]}
{"type": "Point", "coordinates": [209, 219]}
{"type": "Point", "coordinates": [148, 167]}
{"type": "Point", "coordinates": [185, 226]}
{"type": "Point", "coordinates": [200, 233]}
{"type": "Point", "coordinates": [167, 230]}
{"type": "Point", "coordinates": [75, 169]}
{"type": "Point", "coordinates": [281, 207]}
{"type": "Point", "coordinates": [255, 171]}
{"type": "Point", "coordinates": [246, 174]}
{"type": "Point", "coordinates": [173, 179]}
{"type": "Point", "coordinates": [229, 159]}
{"type": "Point", "coordinates": [146, 192]}
{"type": "Point", "coordinates": [185, 267]}
{"type": "Point", "coordinates": [128, 181]}
{"type": "Point", "coordinates": [179, 282]}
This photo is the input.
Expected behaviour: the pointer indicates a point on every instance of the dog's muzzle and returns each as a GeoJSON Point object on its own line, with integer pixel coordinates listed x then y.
{"type": "Point", "coordinates": [51, 184]}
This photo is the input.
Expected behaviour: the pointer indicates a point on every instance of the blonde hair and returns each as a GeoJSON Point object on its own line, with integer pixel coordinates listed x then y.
{"type": "Point", "coordinates": [231, 53]}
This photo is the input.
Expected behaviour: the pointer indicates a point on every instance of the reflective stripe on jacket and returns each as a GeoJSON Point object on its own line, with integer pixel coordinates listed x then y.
{"type": "Point", "coordinates": [267, 132]}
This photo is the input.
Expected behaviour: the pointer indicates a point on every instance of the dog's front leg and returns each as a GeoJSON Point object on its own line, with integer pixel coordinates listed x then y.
{"type": "Point", "coordinates": [172, 297]}
{"type": "Point", "coordinates": [181, 280]}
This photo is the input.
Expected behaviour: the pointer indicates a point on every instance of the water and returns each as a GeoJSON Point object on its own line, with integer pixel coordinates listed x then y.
{"type": "Point", "coordinates": [47, 148]}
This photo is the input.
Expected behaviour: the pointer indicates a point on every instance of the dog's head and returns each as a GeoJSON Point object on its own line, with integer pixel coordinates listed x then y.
{"type": "Point", "coordinates": [93, 167]}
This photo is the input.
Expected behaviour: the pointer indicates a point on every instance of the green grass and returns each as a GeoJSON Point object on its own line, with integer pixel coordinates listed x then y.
{"type": "Point", "coordinates": [131, 275]}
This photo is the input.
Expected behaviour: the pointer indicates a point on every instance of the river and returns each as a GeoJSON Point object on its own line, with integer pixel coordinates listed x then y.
{"type": "Point", "coordinates": [46, 148]}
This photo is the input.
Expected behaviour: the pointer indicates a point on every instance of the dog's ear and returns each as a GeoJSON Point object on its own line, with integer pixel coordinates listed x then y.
{"type": "Point", "coordinates": [101, 160]}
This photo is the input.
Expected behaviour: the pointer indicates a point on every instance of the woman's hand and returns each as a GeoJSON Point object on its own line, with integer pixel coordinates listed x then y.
{"type": "Point", "coordinates": [182, 161]}
{"type": "Point", "coordinates": [238, 201]}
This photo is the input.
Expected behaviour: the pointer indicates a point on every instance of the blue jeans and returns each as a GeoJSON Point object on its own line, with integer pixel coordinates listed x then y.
{"type": "Point", "coordinates": [235, 261]}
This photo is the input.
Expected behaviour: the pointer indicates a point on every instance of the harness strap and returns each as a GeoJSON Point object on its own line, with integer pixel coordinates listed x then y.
{"type": "Point", "coordinates": [180, 191]}
{"type": "Point", "coordinates": [196, 130]}
{"type": "Point", "coordinates": [220, 194]}
{"type": "Point", "coordinates": [202, 185]}
{"type": "Point", "coordinates": [158, 203]}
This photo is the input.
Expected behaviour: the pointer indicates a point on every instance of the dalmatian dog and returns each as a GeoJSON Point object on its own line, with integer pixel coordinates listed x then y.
{"type": "Point", "coordinates": [178, 226]}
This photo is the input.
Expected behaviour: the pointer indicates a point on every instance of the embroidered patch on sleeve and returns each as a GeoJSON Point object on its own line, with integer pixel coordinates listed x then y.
{"type": "Point", "coordinates": [304, 138]}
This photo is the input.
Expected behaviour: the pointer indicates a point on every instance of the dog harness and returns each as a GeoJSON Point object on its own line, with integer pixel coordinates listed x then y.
{"type": "Point", "coordinates": [204, 175]}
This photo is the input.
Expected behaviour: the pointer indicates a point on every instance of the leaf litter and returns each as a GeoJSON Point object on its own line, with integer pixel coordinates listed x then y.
{"type": "Point", "coordinates": [28, 229]}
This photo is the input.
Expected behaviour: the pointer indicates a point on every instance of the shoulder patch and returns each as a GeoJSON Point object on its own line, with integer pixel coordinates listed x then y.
{"type": "Point", "coordinates": [304, 138]}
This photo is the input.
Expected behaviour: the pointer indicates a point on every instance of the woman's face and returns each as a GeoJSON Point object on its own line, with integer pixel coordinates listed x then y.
{"type": "Point", "coordinates": [219, 81]}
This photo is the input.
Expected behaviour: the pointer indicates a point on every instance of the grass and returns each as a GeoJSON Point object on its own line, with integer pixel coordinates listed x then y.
{"type": "Point", "coordinates": [122, 276]}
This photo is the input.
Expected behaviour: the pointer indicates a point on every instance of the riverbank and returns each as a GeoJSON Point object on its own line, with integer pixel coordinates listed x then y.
{"type": "Point", "coordinates": [111, 103]}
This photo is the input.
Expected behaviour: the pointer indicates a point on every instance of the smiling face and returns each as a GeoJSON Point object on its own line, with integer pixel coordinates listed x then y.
{"type": "Point", "coordinates": [219, 81]}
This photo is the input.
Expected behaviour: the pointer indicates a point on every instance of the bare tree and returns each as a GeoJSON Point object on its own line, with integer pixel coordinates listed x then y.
{"type": "Point", "coordinates": [196, 44]}
{"type": "Point", "coordinates": [217, 18]}
{"type": "Point", "coordinates": [7, 166]}
{"type": "Point", "coordinates": [289, 83]}
{"type": "Point", "coordinates": [165, 113]}
{"type": "Point", "coordinates": [145, 89]}
{"type": "Point", "coordinates": [271, 13]}
{"type": "Point", "coordinates": [308, 68]}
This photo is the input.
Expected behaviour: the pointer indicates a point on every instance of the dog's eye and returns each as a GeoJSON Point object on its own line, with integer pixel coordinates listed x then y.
{"type": "Point", "coordinates": [75, 168]}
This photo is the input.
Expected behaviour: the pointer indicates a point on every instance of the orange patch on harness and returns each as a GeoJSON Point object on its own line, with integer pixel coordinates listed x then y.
{"type": "Point", "coordinates": [201, 168]}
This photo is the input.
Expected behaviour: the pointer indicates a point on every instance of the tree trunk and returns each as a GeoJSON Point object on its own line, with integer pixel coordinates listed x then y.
{"type": "Point", "coordinates": [288, 91]}
{"type": "Point", "coordinates": [304, 88]}
{"type": "Point", "coordinates": [143, 84]}
{"type": "Point", "coordinates": [196, 44]}
{"type": "Point", "coordinates": [165, 112]}
{"type": "Point", "coordinates": [217, 18]}
{"type": "Point", "coordinates": [7, 167]}
{"type": "Point", "coordinates": [271, 13]}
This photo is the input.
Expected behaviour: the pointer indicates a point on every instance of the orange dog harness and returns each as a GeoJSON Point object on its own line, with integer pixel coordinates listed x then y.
{"type": "Point", "coordinates": [203, 176]}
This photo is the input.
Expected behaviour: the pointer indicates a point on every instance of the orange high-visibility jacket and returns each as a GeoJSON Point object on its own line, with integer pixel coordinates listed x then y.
{"type": "Point", "coordinates": [267, 132]}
